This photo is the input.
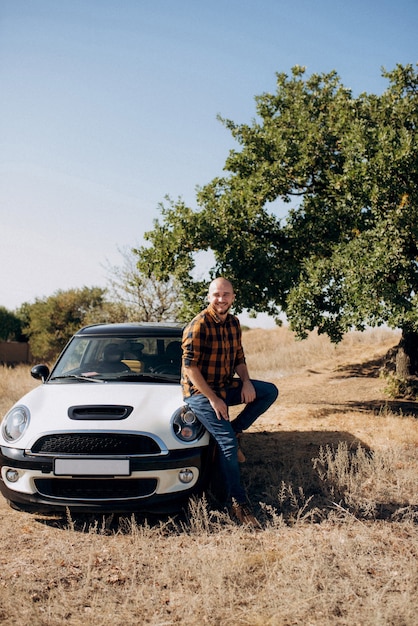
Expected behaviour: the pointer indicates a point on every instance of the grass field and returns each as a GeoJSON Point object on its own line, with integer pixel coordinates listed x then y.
{"type": "Point", "coordinates": [332, 472]}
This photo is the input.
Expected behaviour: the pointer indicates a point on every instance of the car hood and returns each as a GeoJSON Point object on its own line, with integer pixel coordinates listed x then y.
{"type": "Point", "coordinates": [153, 406]}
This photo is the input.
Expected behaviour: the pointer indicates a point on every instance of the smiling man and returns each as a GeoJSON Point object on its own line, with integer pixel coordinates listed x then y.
{"type": "Point", "coordinates": [212, 355]}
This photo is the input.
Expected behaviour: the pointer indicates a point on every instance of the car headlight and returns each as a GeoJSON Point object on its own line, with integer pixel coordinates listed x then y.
{"type": "Point", "coordinates": [15, 423]}
{"type": "Point", "coordinates": [185, 424]}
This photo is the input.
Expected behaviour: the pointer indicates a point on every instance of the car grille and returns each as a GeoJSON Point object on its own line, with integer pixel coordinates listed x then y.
{"type": "Point", "coordinates": [95, 444]}
{"type": "Point", "coordinates": [95, 489]}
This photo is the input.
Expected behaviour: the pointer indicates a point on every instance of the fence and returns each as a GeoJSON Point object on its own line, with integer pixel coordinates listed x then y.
{"type": "Point", "coordinates": [13, 352]}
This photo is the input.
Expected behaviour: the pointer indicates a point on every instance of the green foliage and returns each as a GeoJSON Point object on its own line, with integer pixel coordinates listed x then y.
{"type": "Point", "coordinates": [171, 257]}
{"type": "Point", "coordinates": [10, 326]}
{"type": "Point", "coordinates": [398, 387]}
{"type": "Point", "coordinates": [53, 320]}
{"type": "Point", "coordinates": [368, 273]}
{"type": "Point", "coordinates": [346, 254]}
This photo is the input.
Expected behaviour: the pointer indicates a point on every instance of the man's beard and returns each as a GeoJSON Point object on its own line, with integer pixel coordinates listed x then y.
{"type": "Point", "coordinates": [221, 310]}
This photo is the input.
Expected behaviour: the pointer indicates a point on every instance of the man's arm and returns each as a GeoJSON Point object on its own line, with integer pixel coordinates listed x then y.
{"type": "Point", "coordinates": [218, 405]}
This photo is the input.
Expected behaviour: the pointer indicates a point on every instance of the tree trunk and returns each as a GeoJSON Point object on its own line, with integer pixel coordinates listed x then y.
{"type": "Point", "coordinates": [407, 355]}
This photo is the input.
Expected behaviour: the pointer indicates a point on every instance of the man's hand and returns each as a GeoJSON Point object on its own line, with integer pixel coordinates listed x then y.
{"type": "Point", "coordinates": [247, 392]}
{"type": "Point", "coordinates": [220, 408]}
{"type": "Point", "coordinates": [218, 405]}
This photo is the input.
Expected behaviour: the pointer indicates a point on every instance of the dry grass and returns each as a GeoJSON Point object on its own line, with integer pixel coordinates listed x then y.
{"type": "Point", "coordinates": [14, 382]}
{"type": "Point", "coordinates": [332, 471]}
{"type": "Point", "coordinates": [277, 353]}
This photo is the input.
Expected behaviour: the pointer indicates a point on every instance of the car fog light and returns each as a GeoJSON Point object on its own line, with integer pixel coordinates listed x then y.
{"type": "Point", "coordinates": [12, 475]}
{"type": "Point", "coordinates": [187, 433]}
{"type": "Point", "coordinates": [186, 475]}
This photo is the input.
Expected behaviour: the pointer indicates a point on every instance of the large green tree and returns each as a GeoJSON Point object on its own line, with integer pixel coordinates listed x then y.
{"type": "Point", "coordinates": [345, 256]}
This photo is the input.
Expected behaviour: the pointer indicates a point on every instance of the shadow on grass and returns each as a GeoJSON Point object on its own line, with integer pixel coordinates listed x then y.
{"type": "Point", "coordinates": [274, 459]}
{"type": "Point", "coordinates": [369, 369]}
{"type": "Point", "coordinates": [373, 369]}
{"type": "Point", "coordinates": [378, 407]}
{"type": "Point", "coordinates": [278, 458]}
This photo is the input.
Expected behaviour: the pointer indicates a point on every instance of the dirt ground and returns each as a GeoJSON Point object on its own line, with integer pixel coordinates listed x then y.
{"type": "Point", "coordinates": [336, 393]}
{"type": "Point", "coordinates": [322, 559]}
{"type": "Point", "coordinates": [342, 400]}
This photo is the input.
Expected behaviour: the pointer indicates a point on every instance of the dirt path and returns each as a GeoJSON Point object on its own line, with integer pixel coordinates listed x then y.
{"type": "Point", "coordinates": [347, 395]}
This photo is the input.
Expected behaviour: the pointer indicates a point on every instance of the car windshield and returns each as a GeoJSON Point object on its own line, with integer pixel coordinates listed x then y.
{"type": "Point", "coordinates": [100, 358]}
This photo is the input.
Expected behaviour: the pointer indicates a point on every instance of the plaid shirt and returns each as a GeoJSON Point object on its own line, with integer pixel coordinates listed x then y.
{"type": "Point", "coordinates": [215, 348]}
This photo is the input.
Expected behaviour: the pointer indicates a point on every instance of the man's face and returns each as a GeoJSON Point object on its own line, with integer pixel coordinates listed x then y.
{"type": "Point", "coordinates": [221, 296]}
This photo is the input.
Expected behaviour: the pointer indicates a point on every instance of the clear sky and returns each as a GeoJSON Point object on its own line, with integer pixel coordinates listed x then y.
{"type": "Point", "coordinates": [107, 106]}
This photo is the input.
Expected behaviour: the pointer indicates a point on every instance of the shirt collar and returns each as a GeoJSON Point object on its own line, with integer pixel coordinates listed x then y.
{"type": "Point", "coordinates": [212, 313]}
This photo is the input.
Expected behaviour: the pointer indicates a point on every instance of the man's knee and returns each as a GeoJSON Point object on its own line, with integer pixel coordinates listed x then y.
{"type": "Point", "coordinates": [273, 392]}
{"type": "Point", "coordinates": [266, 390]}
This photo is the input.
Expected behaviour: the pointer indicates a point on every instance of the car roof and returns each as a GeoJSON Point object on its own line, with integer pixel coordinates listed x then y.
{"type": "Point", "coordinates": [131, 329]}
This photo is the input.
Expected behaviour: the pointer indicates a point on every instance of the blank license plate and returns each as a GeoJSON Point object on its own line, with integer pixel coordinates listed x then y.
{"type": "Point", "coordinates": [92, 467]}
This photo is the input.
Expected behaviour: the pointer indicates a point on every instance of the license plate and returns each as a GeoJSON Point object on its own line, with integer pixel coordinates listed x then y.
{"type": "Point", "coordinates": [91, 467]}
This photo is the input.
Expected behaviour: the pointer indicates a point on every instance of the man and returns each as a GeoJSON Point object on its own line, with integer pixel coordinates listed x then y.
{"type": "Point", "coordinates": [212, 354]}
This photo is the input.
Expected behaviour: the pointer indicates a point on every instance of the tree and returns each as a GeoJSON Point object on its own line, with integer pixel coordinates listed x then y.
{"type": "Point", "coordinates": [10, 326]}
{"type": "Point", "coordinates": [142, 298]}
{"type": "Point", "coordinates": [52, 321]}
{"type": "Point", "coordinates": [346, 255]}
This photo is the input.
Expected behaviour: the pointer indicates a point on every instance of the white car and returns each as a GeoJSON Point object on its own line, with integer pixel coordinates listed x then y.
{"type": "Point", "coordinates": [107, 429]}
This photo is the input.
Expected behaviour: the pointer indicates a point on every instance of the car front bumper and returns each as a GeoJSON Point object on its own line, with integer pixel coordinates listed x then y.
{"type": "Point", "coordinates": [151, 484]}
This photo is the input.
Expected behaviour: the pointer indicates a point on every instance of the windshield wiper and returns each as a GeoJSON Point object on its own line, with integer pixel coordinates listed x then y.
{"type": "Point", "coordinates": [148, 376]}
{"type": "Point", "coordinates": [78, 377]}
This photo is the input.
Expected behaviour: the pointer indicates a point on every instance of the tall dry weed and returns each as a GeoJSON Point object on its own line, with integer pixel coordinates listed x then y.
{"type": "Point", "coordinates": [369, 483]}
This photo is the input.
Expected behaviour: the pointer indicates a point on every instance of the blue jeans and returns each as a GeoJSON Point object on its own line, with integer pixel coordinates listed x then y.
{"type": "Point", "coordinates": [225, 432]}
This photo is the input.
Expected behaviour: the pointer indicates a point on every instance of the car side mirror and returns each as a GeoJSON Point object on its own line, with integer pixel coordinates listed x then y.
{"type": "Point", "coordinates": [40, 372]}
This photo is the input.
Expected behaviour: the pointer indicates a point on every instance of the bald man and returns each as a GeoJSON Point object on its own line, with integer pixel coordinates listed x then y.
{"type": "Point", "coordinates": [214, 377]}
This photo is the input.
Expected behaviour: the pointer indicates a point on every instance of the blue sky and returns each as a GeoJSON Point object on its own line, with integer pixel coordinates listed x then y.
{"type": "Point", "coordinates": [108, 105]}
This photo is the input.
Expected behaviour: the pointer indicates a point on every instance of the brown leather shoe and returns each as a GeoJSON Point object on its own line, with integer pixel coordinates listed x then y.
{"type": "Point", "coordinates": [244, 515]}
{"type": "Point", "coordinates": [240, 453]}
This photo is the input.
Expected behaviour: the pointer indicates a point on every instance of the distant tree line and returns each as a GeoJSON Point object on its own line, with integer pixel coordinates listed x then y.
{"type": "Point", "coordinates": [50, 322]}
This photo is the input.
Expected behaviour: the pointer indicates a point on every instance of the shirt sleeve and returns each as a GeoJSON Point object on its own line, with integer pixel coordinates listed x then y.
{"type": "Point", "coordinates": [240, 356]}
{"type": "Point", "coordinates": [193, 337]}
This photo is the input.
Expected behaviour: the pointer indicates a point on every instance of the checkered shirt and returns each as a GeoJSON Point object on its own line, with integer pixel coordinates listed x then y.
{"type": "Point", "coordinates": [215, 348]}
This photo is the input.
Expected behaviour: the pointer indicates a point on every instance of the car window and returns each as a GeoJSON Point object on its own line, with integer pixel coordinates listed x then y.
{"type": "Point", "coordinates": [111, 357]}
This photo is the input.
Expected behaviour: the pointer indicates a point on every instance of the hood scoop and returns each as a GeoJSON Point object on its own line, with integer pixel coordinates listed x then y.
{"type": "Point", "coordinates": [99, 412]}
